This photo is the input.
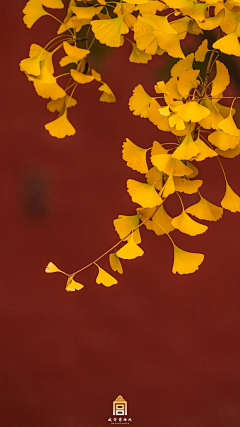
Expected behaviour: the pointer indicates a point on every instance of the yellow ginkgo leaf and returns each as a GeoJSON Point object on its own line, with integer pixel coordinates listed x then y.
{"type": "Point", "coordinates": [65, 60]}
{"type": "Point", "coordinates": [230, 153]}
{"type": "Point", "coordinates": [105, 278]}
{"type": "Point", "coordinates": [80, 77]}
{"type": "Point", "coordinates": [160, 87]}
{"type": "Point", "coordinates": [187, 81]}
{"type": "Point", "coordinates": [205, 210]}
{"type": "Point", "coordinates": [108, 31]}
{"type": "Point", "coordinates": [33, 11]}
{"type": "Point", "coordinates": [231, 200]}
{"type": "Point", "coordinates": [60, 127]}
{"type": "Point", "coordinates": [170, 43]}
{"type": "Point", "coordinates": [115, 263]}
{"type": "Point", "coordinates": [107, 95]}
{"type": "Point", "coordinates": [187, 225]}
{"type": "Point", "coordinates": [192, 111]}
{"type": "Point", "coordinates": [157, 148]}
{"type": "Point", "coordinates": [201, 51]}
{"type": "Point", "coordinates": [182, 65]}
{"type": "Point", "coordinates": [86, 12]}
{"type": "Point", "coordinates": [175, 120]}
{"type": "Point", "coordinates": [187, 150]}
{"type": "Point", "coordinates": [165, 111]}
{"type": "Point", "coordinates": [169, 187]}
{"type": "Point", "coordinates": [165, 163]}
{"type": "Point", "coordinates": [159, 23]}
{"type": "Point", "coordinates": [125, 225]}
{"type": "Point", "coordinates": [45, 76]}
{"type": "Point", "coordinates": [36, 49]}
{"type": "Point", "coordinates": [59, 104]}
{"type": "Point", "coordinates": [154, 176]}
{"type": "Point", "coordinates": [53, 91]}
{"type": "Point", "coordinates": [204, 150]}
{"type": "Point", "coordinates": [228, 44]}
{"type": "Point", "coordinates": [75, 52]}
{"type": "Point", "coordinates": [130, 251]}
{"type": "Point", "coordinates": [139, 56]}
{"type": "Point", "coordinates": [53, 4]}
{"type": "Point", "coordinates": [135, 156]}
{"type": "Point", "coordinates": [31, 65]}
{"type": "Point", "coordinates": [160, 218]}
{"type": "Point", "coordinates": [72, 286]}
{"type": "Point", "coordinates": [151, 6]}
{"type": "Point", "coordinates": [140, 102]}
{"type": "Point", "coordinates": [184, 185]}
{"type": "Point", "coordinates": [145, 37]}
{"type": "Point", "coordinates": [223, 140]}
{"type": "Point", "coordinates": [157, 119]}
{"type": "Point", "coordinates": [212, 22]}
{"type": "Point", "coordinates": [186, 262]}
{"type": "Point", "coordinates": [72, 22]}
{"type": "Point", "coordinates": [228, 126]}
{"type": "Point", "coordinates": [221, 80]}
{"type": "Point", "coordinates": [143, 194]}
{"type": "Point", "coordinates": [52, 268]}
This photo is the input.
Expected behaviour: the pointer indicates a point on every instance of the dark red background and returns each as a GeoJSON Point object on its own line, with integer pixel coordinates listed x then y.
{"type": "Point", "coordinates": [168, 344]}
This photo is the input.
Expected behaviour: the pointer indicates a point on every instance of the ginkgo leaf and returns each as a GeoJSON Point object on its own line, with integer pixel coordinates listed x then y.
{"type": "Point", "coordinates": [204, 150]}
{"type": "Point", "coordinates": [125, 225]}
{"type": "Point", "coordinates": [184, 185]}
{"type": "Point", "coordinates": [139, 102]}
{"type": "Point", "coordinates": [175, 120]}
{"type": "Point", "coordinates": [228, 126]}
{"type": "Point", "coordinates": [159, 23]}
{"type": "Point", "coordinates": [67, 60]}
{"type": "Point", "coordinates": [107, 95]}
{"type": "Point", "coordinates": [170, 43]}
{"type": "Point", "coordinates": [151, 6]}
{"type": "Point", "coordinates": [45, 76]}
{"type": "Point", "coordinates": [33, 11]}
{"type": "Point", "coordinates": [187, 81]}
{"type": "Point", "coordinates": [143, 194]}
{"type": "Point", "coordinates": [186, 262]}
{"type": "Point", "coordinates": [222, 140]}
{"type": "Point", "coordinates": [205, 210]}
{"type": "Point", "coordinates": [201, 51]}
{"type": "Point", "coordinates": [231, 200]}
{"type": "Point", "coordinates": [108, 31]}
{"type": "Point", "coordinates": [105, 278]}
{"type": "Point", "coordinates": [36, 49]}
{"type": "Point", "coordinates": [59, 104]}
{"type": "Point", "coordinates": [135, 156]}
{"type": "Point", "coordinates": [165, 163]}
{"type": "Point", "coordinates": [222, 79]}
{"type": "Point", "coordinates": [182, 65]}
{"type": "Point", "coordinates": [139, 56]}
{"type": "Point", "coordinates": [230, 153]}
{"type": "Point", "coordinates": [31, 65]}
{"type": "Point", "coordinates": [154, 176]}
{"type": "Point", "coordinates": [157, 148]}
{"type": "Point", "coordinates": [212, 21]}
{"type": "Point", "coordinates": [130, 251]}
{"type": "Point", "coordinates": [75, 52]}
{"type": "Point", "coordinates": [169, 187]}
{"type": "Point", "coordinates": [186, 150]}
{"type": "Point", "coordinates": [145, 37]}
{"type": "Point", "coordinates": [53, 4]}
{"type": "Point", "coordinates": [72, 285]}
{"type": "Point", "coordinates": [81, 77]}
{"type": "Point", "coordinates": [60, 127]}
{"type": "Point", "coordinates": [192, 111]}
{"type": "Point", "coordinates": [160, 218]}
{"type": "Point", "coordinates": [228, 44]}
{"type": "Point", "coordinates": [115, 263]}
{"type": "Point", "coordinates": [160, 87]}
{"type": "Point", "coordinates": [53, 91]}
{"type": "Point", "coordinates": [86, 12]}
{"type": "Point", "coordinates": [165, 111]}
{"type": "Point", "coordinates": [52, 268]}
{"type": "Point", "coordinates": [187, 225]}
{"type": "Point", "coordinates": [157, 119]}
{"type": "Point", "coordinates": [72, 22]}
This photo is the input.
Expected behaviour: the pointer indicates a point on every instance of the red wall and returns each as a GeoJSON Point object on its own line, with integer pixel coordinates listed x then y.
{"type": "Point", "coordinates": [168, 344]}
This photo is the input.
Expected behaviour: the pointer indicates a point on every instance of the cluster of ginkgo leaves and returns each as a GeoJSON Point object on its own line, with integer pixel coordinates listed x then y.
{"type": "Point", "coordinates": [189, 106]}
